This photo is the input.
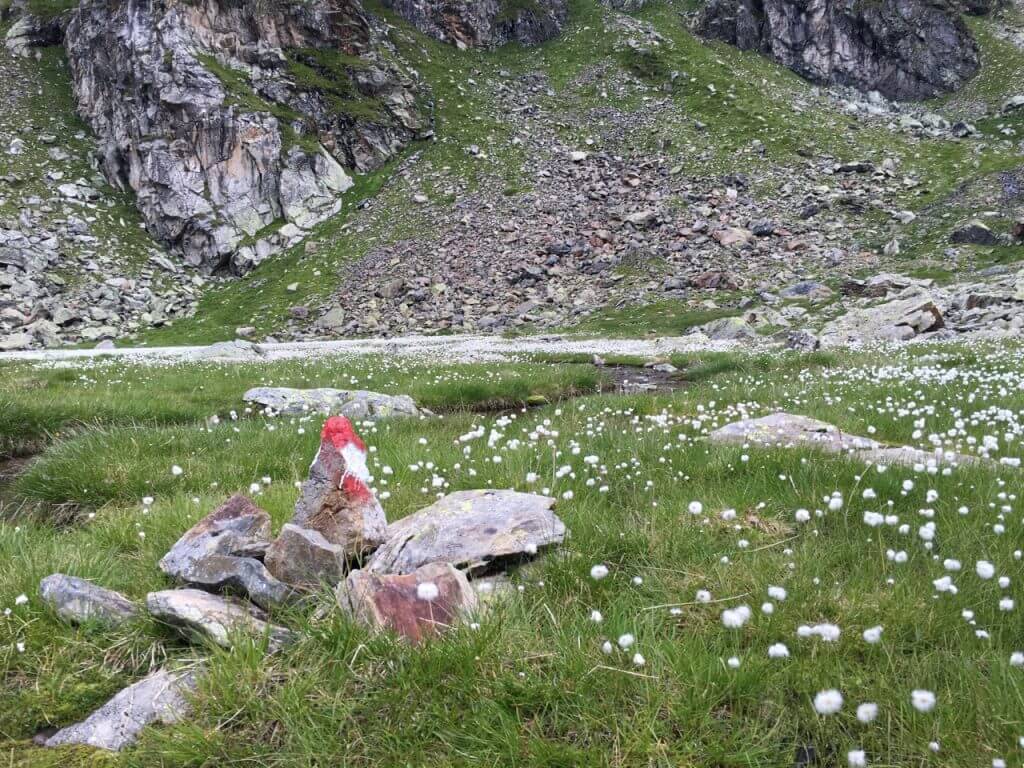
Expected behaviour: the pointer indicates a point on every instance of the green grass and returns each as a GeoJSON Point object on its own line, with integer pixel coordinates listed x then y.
{"type": "Point", "coordinates": [664, 318]}
{"type": "Point", "coordinates": [41, 404]}
{"type": "Point", "coordinates": [532, 687]}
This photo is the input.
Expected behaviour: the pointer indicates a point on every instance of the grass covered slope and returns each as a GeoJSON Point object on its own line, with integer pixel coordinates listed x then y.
{"type": "Point", "coordinates": [533, 686]}
{"type": "Point", "coordinates": [716, 103]}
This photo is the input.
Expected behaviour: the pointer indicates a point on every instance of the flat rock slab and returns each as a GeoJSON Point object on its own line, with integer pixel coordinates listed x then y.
{"type": "Point", "coordinates": [899, 320]}
{"type": "Point", "coordinates": [202, 615]}
{"type": "Point", "coordinates": [354, 404]}
{"type": "Point", "coordinates": [415, 605]}
{"type": "Point", "coordinates": [304, 558]}
{"type": "Point", "coordinates": [786, 430]}
{"type": "Point", "coordinates": [161, 697]}
{"type": "Point", "coordinates": [470, 529]}
{"type": "Point", "coordinates": [77, 600]}
{"type": "Point", "coordinates": [216, 552]}
{"type": "Point", "coordinates": [335, 500]}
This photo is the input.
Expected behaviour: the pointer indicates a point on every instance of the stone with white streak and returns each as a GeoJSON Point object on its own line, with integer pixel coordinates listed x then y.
{"type": "Point", "coordinates": [335, 500]}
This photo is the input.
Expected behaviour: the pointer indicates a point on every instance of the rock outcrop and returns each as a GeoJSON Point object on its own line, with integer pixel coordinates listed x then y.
{"type": "Point", "coordinates": [30, 32]}
{"type": "Point", "coordinates": [913, 313]}
{"type": "Point", "coordinates": [484, 23]}
{"type": "Point", "coordinates": [234, 125]}
{"type": "Point", "coordinates": [905, 49]}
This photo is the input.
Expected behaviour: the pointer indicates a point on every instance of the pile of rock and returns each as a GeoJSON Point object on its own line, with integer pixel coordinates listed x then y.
{"type": "Point", "coordinates": [414, 579]}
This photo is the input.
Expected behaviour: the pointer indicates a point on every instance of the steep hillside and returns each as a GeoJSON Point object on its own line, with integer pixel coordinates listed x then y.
{"type": "Point", "coordinates": [627, 162]}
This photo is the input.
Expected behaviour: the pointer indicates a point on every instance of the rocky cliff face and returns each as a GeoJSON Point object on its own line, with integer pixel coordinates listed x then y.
{"type": "Point", "coordinates": [234, 125]}
{"type": "Point", "coordinates": [484, 23]}
{"type": "Point", "coordinates": [906, 49]}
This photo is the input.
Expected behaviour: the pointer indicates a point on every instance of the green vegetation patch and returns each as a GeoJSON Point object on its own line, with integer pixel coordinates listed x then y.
{"type": "Point", "coordinates": [328, 72]}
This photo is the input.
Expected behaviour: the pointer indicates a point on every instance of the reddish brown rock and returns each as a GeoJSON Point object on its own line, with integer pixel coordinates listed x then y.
{"type": "Point", "coordinates": [716, 279]}
{"type": "Point", "coordinates": [336, 500]}
{"type": "Point", "coordinates": [416, 605]}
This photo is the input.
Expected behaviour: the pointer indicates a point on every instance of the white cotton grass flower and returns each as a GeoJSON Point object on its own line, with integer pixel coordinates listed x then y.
{"type": "Point", "coordinates": [638, 660]}
{"type": "Point", "coordinates": [856, 758]}
{"type": "Point", "coordinates": [177, 471]}
{"type": "Point", "coordinates": [867, 712]}
{"type": "Point", "coordinates": [1017, 659]}
{"type": "Point", "coordinates": [985, 569]}
{"type": "Point", "coordinates": [703, 596]}
{"type": "Point", "coordinates": [695, 508]}
{"type": "Point", "coordinates": [626, 641]}
{"type": "Point", "coordinates": [427, 591]}
{"type": "Point", "coordinates": [596, 617]}
{"type": "Point", "coordinates": [598, 572]}
{"type": "Point", "coordinates": [828, 702]}
{"type": "Point", "coordinates": [777, 593]}
{"type": "Point", "coordinates": [922, 700]}
{"type": "Point", "coordinates": [21, 599]}
{"type": "Point", "coordinates": [873, 635]}
{"type": "Point", "coordinates": [802, 515]}
{"type": "Point", "coordinates": [829, 633]}
{"type": "Point", "coordinates": [734, 618]}
{"type": "Point", "coordinates": [607, 647]}
{"type": "Point", "coordinates": [778, 651]}
{"type": "Point", "coordinates": [733, 662]}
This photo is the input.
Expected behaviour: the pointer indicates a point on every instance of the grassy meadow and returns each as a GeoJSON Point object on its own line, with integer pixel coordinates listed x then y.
{"type": "Point", "coordinates": [687, 531]}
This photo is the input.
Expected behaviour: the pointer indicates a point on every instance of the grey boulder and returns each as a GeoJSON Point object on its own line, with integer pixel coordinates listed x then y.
{"type": "Point", "coordinates": [786, 430]}
{"type": "Point", "coordinates": [160, 697]}
{"type": "Point", "coordinates": [204, 616]}
{"type": "Point", "coordinates": [215, 553]}
{"type": "Point", "coordinates": [974, 232]}
{"type": "Point", "coordinates": [470, 529]}
{"type": "Point", "coordinates": [353, 404]}
{"type": "Point", "coordinates": [77, 600]}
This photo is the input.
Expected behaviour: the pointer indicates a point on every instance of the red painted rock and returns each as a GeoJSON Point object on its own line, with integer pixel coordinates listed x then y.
{"type": "Point", "coordinates": [416, 605]}
{"type": "Point", "coordinates": [336, 501]}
